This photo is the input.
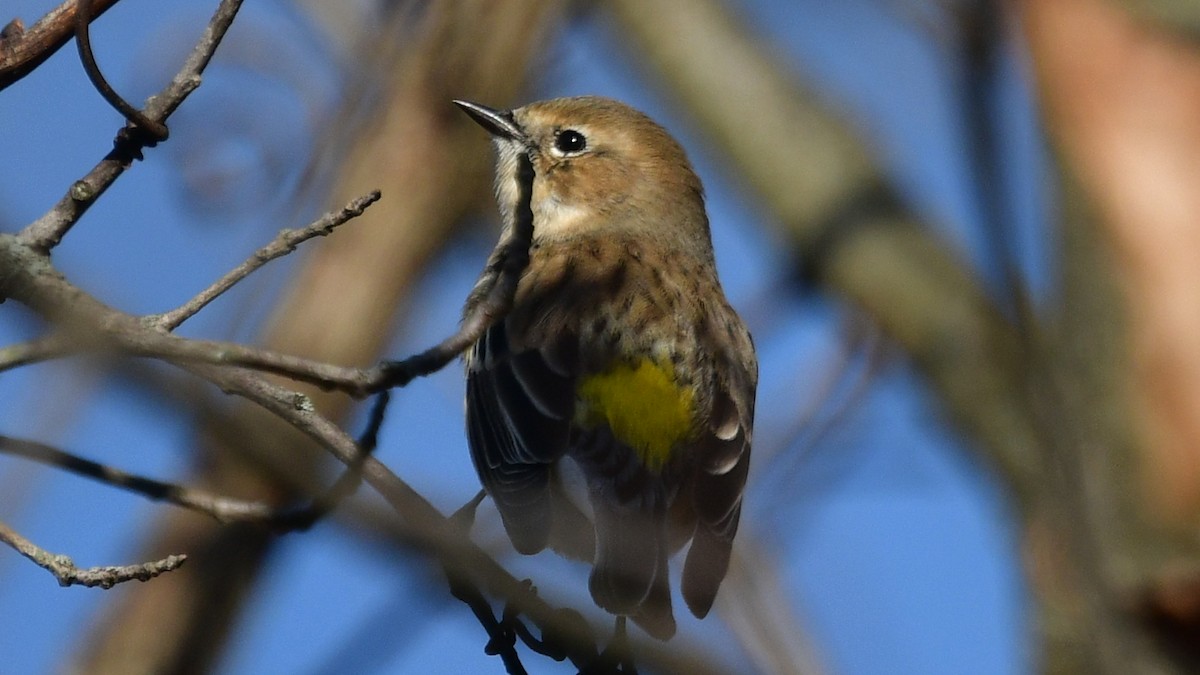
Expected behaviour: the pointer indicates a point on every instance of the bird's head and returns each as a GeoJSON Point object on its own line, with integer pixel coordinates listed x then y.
{"type": "Point", "coordinates": [598, 164]}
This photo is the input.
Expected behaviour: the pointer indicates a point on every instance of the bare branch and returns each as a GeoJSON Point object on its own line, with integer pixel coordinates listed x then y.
{"type": "Point", "coordinates": [509, 260]}
{"type": "Point", "coordinates": [283, 244]}
{"type": "Point", "coordinates": [22, 51]}
{"type": "Point", "coordinates": [224, 509]}
{"type": "Point", "coordinates": [46, 232]}
{"type": "Point", "coordinates": [83, 40]}
{"type": "Point", "coordinates": [490, 302]}
{"type": "Point", "coordinates": [356, 381]}
{"type": "Point", "coordinates": [152, 344]}
{"type": "Point", "coordinates": [45, 348]}
{"type": "Point", "coordinates": [470, 568]}
{"type": "Point", "coordinates": [64, 569]}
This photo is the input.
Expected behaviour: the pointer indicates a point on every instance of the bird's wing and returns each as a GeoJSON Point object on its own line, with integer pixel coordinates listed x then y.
{"type": "Point", "coordinates": [519, 409]}
{"type": "Point", "coordinates": [724, 463]}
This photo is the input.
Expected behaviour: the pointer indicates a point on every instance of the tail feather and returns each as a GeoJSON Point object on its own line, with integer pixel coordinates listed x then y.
{"type": "Point", "coordinates": [706, 565]}
{"type": "Point", "coordinates": [654, 615]}
{"type": "Point", "coordinates": [630, 574]}
{"type": "Point", "coordinates": [627, 553]}
{"type": "Point", "coordinates": [571, 534]}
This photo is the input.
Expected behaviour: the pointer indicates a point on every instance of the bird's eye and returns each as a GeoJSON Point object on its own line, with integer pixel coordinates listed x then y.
{"type": "Point", "coordinates": [569, 141]}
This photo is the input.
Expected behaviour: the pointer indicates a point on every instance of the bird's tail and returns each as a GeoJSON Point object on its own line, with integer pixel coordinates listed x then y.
{"type": "Point", "coordinates": [630, 575]}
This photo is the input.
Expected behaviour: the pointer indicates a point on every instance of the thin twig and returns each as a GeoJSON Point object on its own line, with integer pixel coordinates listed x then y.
{"type": "Point", "coordinates": [223, 509]}
{"type": "Point", "coordinates": [22, 51]}
{"type": "Point", "coordinates": [502, 640]}
{"type": "Point", "coordinates": [350, 479]}
{"type": "Point", "coordinates": [355, 381]}
{"type": "Point", "coordinates": [284, 243]}
{"type": "Point", "coordinates": [490, 302]}
{"type": "Point", "coordinates": [46, 232]}
{"type": "Point", "coordinates": [83, 16]}
{"type": "Point", "coordinates": [64, 569]}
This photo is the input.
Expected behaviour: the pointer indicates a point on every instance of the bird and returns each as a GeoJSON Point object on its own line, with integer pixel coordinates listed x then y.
{"type": "Point", "coordinates": [621, 367]}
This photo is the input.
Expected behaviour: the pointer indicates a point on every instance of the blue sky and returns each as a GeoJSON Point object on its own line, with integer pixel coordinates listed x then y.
{"type": "Point", "coordinates": [896, 548]}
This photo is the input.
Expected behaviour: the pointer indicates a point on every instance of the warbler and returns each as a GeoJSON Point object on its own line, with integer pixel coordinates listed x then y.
{"type": "Point", "coordinates": [620, 356]}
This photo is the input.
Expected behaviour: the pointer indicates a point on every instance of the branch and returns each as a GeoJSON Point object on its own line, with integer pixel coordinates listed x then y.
{"type": "Point", "coordinates": [423, 526]}
{"type": "Point", "coordinates": [46, 232]}
{"type": "Point", "coordinates": [22, 51]}
{"type": "Point", "coordinates": [489, 302]}
{"type": "Point", "coordinates": [25, 275]}
{"type": "Point", "coordinates": [31, 280]}
{"type": "Point", "coordinates": [68, 574]}
{"type": "Point", "coordinates": [139, 123]}
{"type": "Point", "coordinates": [45, 348]}
{"type": "Point", "coordinates": [1179, 16]}
{"type": "Point", "coordinates": [354, 380]}
{"type": "Point", "coordinates": [170, 348]}
{"type": "Point", "coordinates": [221, 508]}
{"type": "Point", "coordinates": [283, 244]}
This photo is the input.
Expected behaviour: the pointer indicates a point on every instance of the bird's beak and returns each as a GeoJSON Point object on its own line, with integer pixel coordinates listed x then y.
{"type": "Point", "coordinates": [498, 123]}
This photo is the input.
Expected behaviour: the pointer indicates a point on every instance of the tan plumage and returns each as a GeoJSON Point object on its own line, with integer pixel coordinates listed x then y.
{"type": "Point", "coordinates": [621, 354]}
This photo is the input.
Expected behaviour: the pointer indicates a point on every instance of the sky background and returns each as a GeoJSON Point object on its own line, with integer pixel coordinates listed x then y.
{"type": "Point", "coordinates": [896, 547]}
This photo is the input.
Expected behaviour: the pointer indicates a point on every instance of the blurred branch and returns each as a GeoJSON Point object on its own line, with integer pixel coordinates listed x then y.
{"type": "Point", "coordinates": [1180, 16]}
{"type": "Point", "coordinates": [1035, 420]}
{"type": "Point", "coordinates": [862, 354]}
{"type": "Point", "coordinates": [64, 569]}
{"type": "Point", "coordinates": [1121, 102]}
{"type": "Point", "coordinates": [758, 608]}
{"type": "Point", "coordinates": [23, 50]}
{"type": "Point", "coordinates": [939, 20]}
{"type": "Point", "coordinates": [831, 199]}
{"type": "Point", "coordinates": [46, 232]}
{"type": "Point", "coordinates": [45, 348]}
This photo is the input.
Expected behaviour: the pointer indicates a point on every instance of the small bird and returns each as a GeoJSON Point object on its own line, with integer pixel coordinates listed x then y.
{"type": "Point", "coordinates": [621, 361]}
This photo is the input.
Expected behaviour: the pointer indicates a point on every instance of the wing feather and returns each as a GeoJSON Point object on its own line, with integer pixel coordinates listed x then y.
{"type": "Point", "coordinates": [516, 429]}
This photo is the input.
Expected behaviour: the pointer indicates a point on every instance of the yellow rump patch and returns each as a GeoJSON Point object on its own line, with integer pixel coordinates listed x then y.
{"type": "Point", "coordinates": [643, 405]}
